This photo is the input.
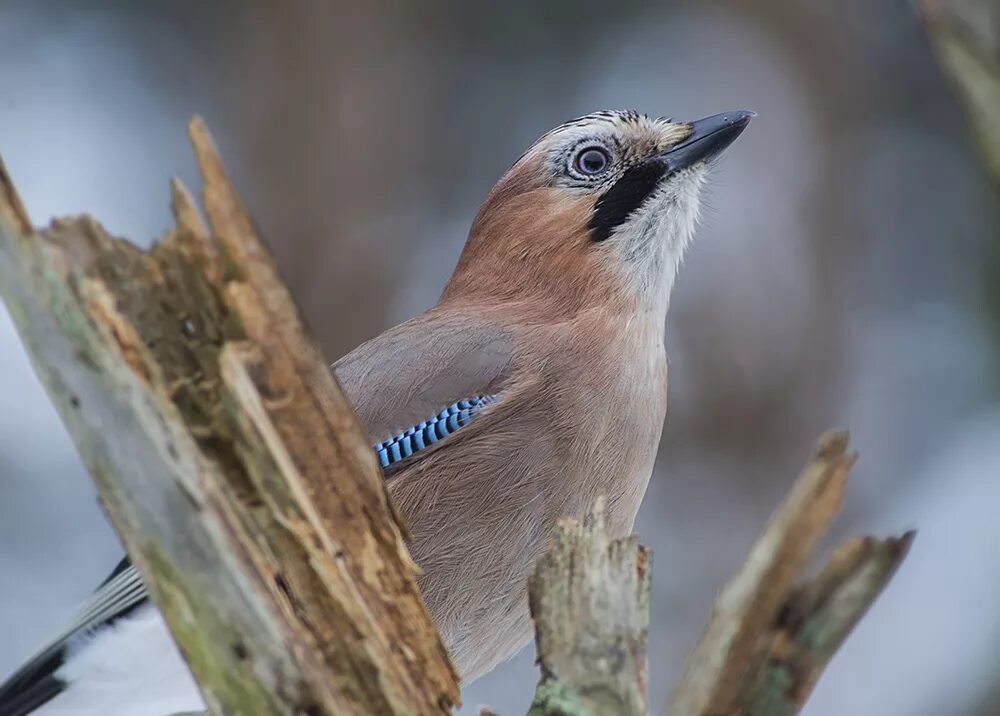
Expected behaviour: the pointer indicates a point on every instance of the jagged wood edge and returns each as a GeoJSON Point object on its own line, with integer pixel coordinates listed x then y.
{"type": "Point", "coordinates": [227, 458]}
{"type": "Point", "coordinates": [816, 619]}
{"type": "Point", "coordinates": [767, 640]}
{"type": "Point", "coordinates": [589, 597]}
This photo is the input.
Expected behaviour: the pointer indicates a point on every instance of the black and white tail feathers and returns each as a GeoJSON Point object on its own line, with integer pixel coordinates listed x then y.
{"type": "Point", "coordinates": [36, 682]}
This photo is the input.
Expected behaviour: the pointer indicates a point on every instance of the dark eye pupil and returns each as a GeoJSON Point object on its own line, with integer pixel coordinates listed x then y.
{"type": "Point", "coordinates": [592, 161]}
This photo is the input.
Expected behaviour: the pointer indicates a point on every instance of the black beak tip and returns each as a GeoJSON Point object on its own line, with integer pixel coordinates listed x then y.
{"type": "Point", "coordinates": [740, 118]}
{"type": "Point", "coordinates": [727, 122]}
{"type": "Point", "coordinates": [708, 138]}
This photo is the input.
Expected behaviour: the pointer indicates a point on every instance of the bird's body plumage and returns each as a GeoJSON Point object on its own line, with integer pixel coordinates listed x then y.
{"type": "Point", "coordinates": [549, 335]}
{"type": "Point", "coordinates": [481, 509]}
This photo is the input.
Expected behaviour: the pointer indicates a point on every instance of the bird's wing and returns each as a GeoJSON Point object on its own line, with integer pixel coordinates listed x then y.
{"type": "Point", "coordinates": [413, 371]}
{"type": "Point", "coordinates": [411, 387]}
{"type": "Point", "coordinates": [36, 681]}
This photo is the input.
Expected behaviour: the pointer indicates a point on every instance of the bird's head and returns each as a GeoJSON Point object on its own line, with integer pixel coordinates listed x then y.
{"type": "Point", "coordinates": [599, 209]}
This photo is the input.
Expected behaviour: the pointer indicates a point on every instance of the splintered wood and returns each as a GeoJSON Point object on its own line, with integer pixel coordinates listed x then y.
{"type": "Point", "coordinates": [589, 598]}
{"type": "Point", "coordinates": [227, 458]}
{"type": "Point", "coordinates": [756, 656]}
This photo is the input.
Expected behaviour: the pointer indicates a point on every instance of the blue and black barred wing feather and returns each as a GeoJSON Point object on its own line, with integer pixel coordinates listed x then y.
{"type": "Point", "coordinates": [416, 438]}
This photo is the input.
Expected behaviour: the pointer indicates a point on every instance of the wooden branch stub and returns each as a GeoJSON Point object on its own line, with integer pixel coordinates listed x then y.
{"type": "Point", "coordinates": [716, 671]}
{"type": "Point", "coordinates": [815, 621]}
{"type": "Point", "coordinates": [589, 597]}
{"type": "Point", "coordinates": [767, 640]}
{"type": "Point", "coordinates": [227, 458]}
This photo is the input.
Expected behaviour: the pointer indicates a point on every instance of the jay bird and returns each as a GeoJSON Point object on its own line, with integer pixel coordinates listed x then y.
{"type": "Point", "coordinates": [536, 384]}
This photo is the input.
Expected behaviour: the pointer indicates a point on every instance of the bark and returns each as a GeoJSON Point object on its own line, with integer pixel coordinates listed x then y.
{"type": "Point", "coordinates": [589, 598]}
{"type": "Point", "coordinates": [814, 621]}
{"type": "Point", "coordinates": [227, 458]}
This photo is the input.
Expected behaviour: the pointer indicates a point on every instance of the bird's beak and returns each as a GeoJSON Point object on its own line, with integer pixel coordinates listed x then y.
{"type": "Point", "coordinates": [709, 136]}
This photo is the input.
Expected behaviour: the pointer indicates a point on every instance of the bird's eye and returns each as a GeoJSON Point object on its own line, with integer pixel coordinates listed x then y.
{"type": "Point", "coordinates": [591, 161]}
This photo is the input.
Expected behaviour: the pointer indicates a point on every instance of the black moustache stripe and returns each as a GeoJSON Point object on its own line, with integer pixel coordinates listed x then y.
{"type": "Point", "coordinates": [624, 197]}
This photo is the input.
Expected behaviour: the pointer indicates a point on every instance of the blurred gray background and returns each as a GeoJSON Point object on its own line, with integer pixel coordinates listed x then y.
{"type": "Point", "coordinates": [846, 272]}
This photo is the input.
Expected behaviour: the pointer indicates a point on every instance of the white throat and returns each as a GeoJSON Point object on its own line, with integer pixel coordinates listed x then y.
{"type": "Point", "coordinates": [651, 243]}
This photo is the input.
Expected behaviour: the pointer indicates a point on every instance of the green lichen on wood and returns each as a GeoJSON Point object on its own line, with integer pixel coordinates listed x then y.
{"type": "Point", "coordinates": [589, 597]}
{"type": "Point", "coordinates": [230, 685]}
{"type": "Point", "coordinates": [555, 699]}
{"type": "Point", "coordinates": [816, 619]}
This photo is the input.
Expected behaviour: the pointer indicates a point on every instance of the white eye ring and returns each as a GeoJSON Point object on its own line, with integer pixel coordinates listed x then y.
{"type": "Point", "coordinates": [591, 161]}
